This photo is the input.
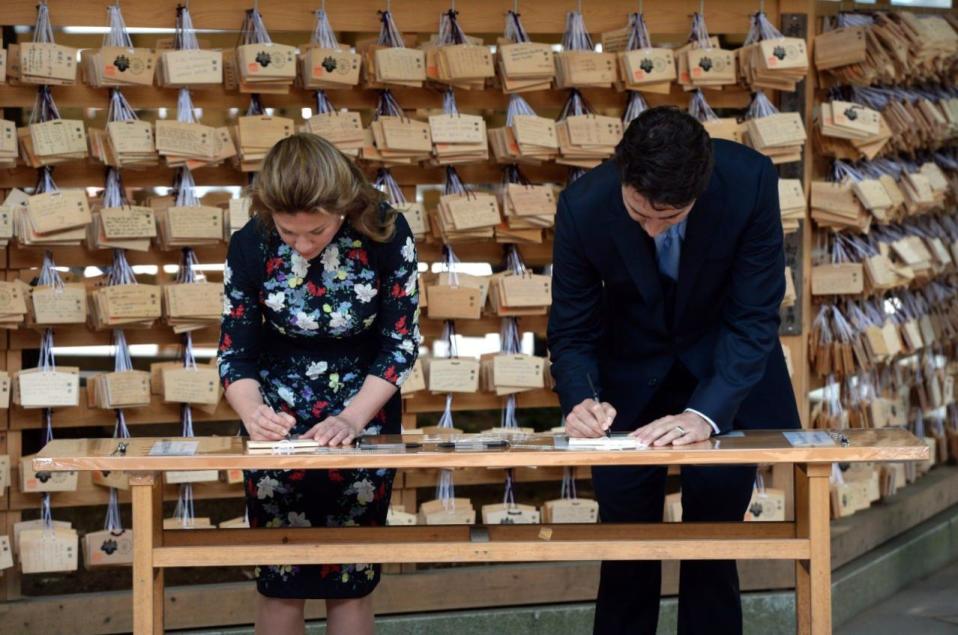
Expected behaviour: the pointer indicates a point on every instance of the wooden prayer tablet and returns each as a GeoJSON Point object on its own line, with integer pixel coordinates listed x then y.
{"type": "Point", "coordinates": [46, 63]}
{"type": "Point", "coordinates": [584, 69]}
{"type": "Point", "coordinates": [322, 68]}
{"type": "Point", "coordinates": [33, 481]}
{"type": "Point", "coordinates": [45, 550]}
{"type": "Point", "coordinates": [643, 67]}
{"type": "Point", "coordinates": [118, 66]}
{"type": "Point", "coordinates": [342, 128]}
{"type": "Point", "coordinates": [398, 516]}
{"type": "Point", "coordinates": [4, 473]}
{"type": "Point", "coordinates": [240, 522]}
{"type": "Point", "coordinates": [47, 388]}
{"type": "Point", "coordinates": [524, 66]}
{"type": "Point", "coordinates": [191, 68]}
{"type": "Point", "coordinates": [107, 548]}
{"type": "Point", "coordinates": [509, 514]}
{"type": "Point", "coordinates": [456, 511]}
{"type": "Point", "coordinates": [6, 553]}
{"type": "Point", "coordinates": [570, 510]}
{"type": "Point", "coordinates": [190, 476]}
{"type": "Point", "coordinates": [192, 523]}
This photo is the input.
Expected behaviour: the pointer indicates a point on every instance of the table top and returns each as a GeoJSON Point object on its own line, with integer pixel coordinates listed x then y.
{"type": "Point", "coordinates": [539, 450]}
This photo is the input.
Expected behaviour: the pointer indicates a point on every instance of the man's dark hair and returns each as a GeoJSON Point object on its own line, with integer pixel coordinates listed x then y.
{"type": "Point", "coordinates": [666, 155]}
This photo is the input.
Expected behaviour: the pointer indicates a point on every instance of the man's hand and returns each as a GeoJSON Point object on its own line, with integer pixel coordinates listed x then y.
{"type": "Point", "coordinates": [334, 430]}
{"type": "Point", "coordinates": [265, 424]}
{"type": "Point", "coordinates": [589, 419]}
{"type": "Point", "coordinates": [681, 429]}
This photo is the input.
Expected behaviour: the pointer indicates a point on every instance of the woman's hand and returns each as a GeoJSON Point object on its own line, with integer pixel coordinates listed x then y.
{"type": "Point", "coordinates": [335, 430]}
{"type": "Point", "coordinates": [265, 424]}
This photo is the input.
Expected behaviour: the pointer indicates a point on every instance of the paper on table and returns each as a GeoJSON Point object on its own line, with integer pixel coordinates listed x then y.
{"type": "Point", "coordinates": [174, 448]}
{"type": "Point", "coordinates": [809, 438]}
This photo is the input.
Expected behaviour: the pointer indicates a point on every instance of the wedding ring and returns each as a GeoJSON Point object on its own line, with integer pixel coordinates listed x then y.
{"type": "Point", "coordinates": [681, 430]}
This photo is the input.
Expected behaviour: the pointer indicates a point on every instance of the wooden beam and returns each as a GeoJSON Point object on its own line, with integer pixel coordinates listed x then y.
{"type": "Point", "coordinates": [454, 552]}
{"type": "Point", "coordinates": [422, 534]}
{"type": "Point", "coordinates": [476, 16]}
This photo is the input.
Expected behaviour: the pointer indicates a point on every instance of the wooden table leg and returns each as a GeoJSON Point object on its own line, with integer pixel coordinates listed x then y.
{"type": "Point", "coordinates": [813, 577]}
{"type": "Point", "coordinates": [147, 494]}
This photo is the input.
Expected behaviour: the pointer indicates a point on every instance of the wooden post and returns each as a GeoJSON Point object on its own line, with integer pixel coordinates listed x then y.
{"type": "Point", "coordinates": [147, 494]}
{"type": "Point", "coordinates": [813, 577]}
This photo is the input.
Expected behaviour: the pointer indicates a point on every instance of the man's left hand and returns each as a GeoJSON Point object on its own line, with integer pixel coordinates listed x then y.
{"type": "Point", "coordinates": [681, 429]}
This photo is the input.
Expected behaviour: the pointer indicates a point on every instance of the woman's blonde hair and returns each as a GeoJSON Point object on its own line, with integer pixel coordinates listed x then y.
{"type": "Point", "coordinates": [306, 173]}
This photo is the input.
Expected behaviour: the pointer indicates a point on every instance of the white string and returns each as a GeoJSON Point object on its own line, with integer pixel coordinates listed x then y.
{"type": "Point", "coordinates": [185, 37]}
{"type": "Point", "coordinates": [445, 420]}
{"type": "Point", "coordinates": [186, 273]}
{"type": "Point", "coordinates": [184, 107]}
{"type": "Point", "coordinates": [323, 34]}
{"type": "Point", "coordinates": [48, 421]}
{"type": "Point", "coordinates": [120, 429]}
{"type": "Point", "coordinates": [699, 107]}
{"type": "Point", "coordinates": [113, 194]}
{"type": "Point", "coordinates": [446, 490]}
{"type": "Point", "coordinates": [635, 107]}
{"type": "Point", "coordinates": [452, 268]}
{"type": "Point", "coordinates": [508, 416]}
{"type": "Point", "coordinates": [253, 30]}
{"type": "Point", "coordinates": [184, 506]}
{"type": "Point", "coordinates": [44, 108]}
{"type": "Point", "coordinates": [47, 361]}
{"type": "Point", "coordinates": [386, 183]}
{"type": "Point", "coordinates": [121, 354]}
{"type": "Point", "coordinates": [699, 37]}
{"type": "Point", "coordinates": [509, 494]}
{"type": "Point", "coordinates": [449, 102]}
{"type": "Point", "coordinates": [186, 417]}
{"type": "Point", "coordinates": [638, 34]}
{"type": "Point", "coordinates": [323, 105]}
{"type": "Point", "coordinates": [189, 361]}
{"type": "Point", "coordinates": [517, 106]}
{"type": "Point", "coordinates": [760, 106]}
{"type": "Point", "coordinates": [514, 30]}
{"type": "Point", "coordinates": [388, 106]}
{"type": "Point", "coordinates": [389, 34]}
{"type": "Point", "coordinates": [49, 276]}
{"type": "Point", "coordinates": [184, 186]}
{"type": "Point", "coordinates": [120, 272]}
{"type": "Point", "coordinates": [46, 512]}
{"type": "Point", "coordinates": [113, 522]}
{"type": "Point", "coordinates": [450, 32]}
{"type": "Point", "coordinates": [119, 108]}
{"type": "Point", "coordinates": [43, 29]}
{"type": "Point", "coordinates": [576, 37]}
{"type": "Point", "coordinates": [118, 34]}
{"type": "Point", "coordinates": [575, 105]}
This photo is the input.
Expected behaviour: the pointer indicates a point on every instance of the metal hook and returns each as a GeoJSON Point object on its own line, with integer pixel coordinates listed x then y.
{"type": "Point", "coordinates": [515, 6]}
{"type": "Point", "coordinates": [761, 6]}
{"type": "Point", "coordinates": [579, 4]}
{"type": "Point", "coordinates": [389, 6]}
{"type": "Point", "coordinates": [323, 6]}
{"type": "Point", "coordinates": [642, 6]}
{"type": "Point", "coordinates": [702, 8]}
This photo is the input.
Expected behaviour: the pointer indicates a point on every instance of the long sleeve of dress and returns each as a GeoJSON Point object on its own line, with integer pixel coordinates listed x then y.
{"type": "Point", "coordinates": [241, 327]}
{"type": "Point", "coordinates": [399, 306]}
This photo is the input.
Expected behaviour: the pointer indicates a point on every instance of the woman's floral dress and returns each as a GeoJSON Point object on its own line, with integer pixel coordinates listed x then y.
{"type": "Point", "coordinates": [310, 332]}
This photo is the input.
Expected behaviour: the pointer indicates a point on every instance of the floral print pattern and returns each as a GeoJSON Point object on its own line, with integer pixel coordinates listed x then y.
{"type": "Point", "coordinates": [310, 331]}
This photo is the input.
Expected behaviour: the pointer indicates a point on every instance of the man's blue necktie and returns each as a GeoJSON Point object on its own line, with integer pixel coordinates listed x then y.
{"type": "Point", "coordinates": [668, 248]}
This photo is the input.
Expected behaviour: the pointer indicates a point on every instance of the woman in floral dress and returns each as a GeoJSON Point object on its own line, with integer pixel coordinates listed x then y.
{"type": "Point", "coordinates": [320, 328]}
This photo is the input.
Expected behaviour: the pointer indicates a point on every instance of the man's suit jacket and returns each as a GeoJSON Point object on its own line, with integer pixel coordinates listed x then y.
{"type": "Point", "coordinates": [608, 316]}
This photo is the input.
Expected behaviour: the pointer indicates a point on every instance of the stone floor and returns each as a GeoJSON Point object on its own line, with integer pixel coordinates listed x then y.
{"type": "Point", "coordinates": [926, 607]}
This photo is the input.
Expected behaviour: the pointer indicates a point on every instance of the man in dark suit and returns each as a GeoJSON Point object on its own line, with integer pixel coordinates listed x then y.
{"type": "Point", "coordinates": [668, 273]}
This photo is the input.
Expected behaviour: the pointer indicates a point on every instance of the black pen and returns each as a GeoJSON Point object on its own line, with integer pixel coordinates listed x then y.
{"type": "Point", "coordinates": [595, 397]}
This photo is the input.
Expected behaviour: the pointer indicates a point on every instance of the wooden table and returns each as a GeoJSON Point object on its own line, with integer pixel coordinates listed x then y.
{"type": "Point", "coordinates": [806, 540]}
